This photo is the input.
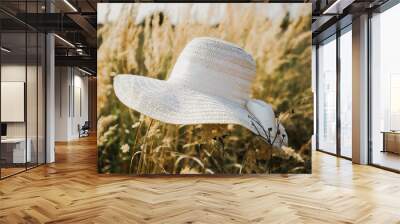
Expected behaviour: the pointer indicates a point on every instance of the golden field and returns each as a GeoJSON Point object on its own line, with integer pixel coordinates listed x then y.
{"type": "Point", "coordinates": [131, 143]}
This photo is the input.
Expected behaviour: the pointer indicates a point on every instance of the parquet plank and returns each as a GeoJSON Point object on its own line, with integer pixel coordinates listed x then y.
{"type": "Point", "coordinates": [71, 191]}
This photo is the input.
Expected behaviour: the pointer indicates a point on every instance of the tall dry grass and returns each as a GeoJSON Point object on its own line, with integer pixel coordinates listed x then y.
{"type": "Point", "coordinates": [132, 143]}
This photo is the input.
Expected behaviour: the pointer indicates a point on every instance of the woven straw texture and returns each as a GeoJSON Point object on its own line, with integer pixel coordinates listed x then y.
{"type": "Point", "coordinates": [209, 84]}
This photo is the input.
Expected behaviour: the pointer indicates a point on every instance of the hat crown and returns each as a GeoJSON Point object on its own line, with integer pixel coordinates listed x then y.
{"type": "Point", "coordinates": [215, 67]}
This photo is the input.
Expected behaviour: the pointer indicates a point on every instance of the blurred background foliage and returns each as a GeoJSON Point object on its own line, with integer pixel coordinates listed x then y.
{"type": "Point", "coordinates": [129, 142]}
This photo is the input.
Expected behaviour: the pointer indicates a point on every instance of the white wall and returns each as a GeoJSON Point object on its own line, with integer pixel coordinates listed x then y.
{"type": "Point", "coordinates": [79, 112]}
{"type": "Point", "coordinates": [12, 73]}
{"type": "Point", "coordinates": [61, 103]}
{"type": "Point", "coordinates": [70, 83]}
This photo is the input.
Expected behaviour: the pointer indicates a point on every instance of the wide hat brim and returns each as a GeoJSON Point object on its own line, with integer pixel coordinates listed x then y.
{"type": "Point", "coordinates": [176, 104]}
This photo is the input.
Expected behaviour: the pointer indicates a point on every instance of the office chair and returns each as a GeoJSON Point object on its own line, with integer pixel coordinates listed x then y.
{"type": "Point", "coordinates": [84, 130]}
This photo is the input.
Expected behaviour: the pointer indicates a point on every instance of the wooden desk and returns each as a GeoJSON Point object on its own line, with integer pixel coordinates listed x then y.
{"type": "Point", "coordinates": [391, 141]}
{"type": "Point", "coordinates": [13, 150]}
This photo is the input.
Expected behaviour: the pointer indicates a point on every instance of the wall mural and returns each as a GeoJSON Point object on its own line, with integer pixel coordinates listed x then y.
{"type": "Point", "coordinates": [204, 88]}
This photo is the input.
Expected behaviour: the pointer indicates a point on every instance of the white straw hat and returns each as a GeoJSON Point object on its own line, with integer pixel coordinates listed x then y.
{"type": "Point", "coordinates": [209, 84]}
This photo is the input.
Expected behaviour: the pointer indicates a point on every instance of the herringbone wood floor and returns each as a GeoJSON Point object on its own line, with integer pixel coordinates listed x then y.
{"type": "Point", "coordinates": [70, 191]}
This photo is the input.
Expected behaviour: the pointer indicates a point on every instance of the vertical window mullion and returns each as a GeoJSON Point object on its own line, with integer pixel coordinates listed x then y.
{"type": "Point", "coordinates": [369, 100]}
{"type": "Point", "coordinates": [317, 97]}
{"type": "Point", "coordinates": [0, 90]}
{"type": "Point", "coordinates": [37, 89]}
{"type": "Point", "coordinates": [338, 73]}
{"type": "Point", "coordinates": [26, 86]}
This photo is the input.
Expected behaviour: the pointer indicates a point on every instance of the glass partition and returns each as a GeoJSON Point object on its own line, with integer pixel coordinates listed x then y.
{"type": "Point", "coordinates": [346, 93]}
{"type": "Point", "coordinates": [385, 89]}
{"type": "Point", "coordinates": [13, 94]}
{"type": "Point", "coordinates": [22, 88]}
{"type": "Point", "coordinates": [327, 95]}
{"type": "Point", "coordinates": [41, 96]}
{"type": "Point", "coordinates": [31, 99]}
